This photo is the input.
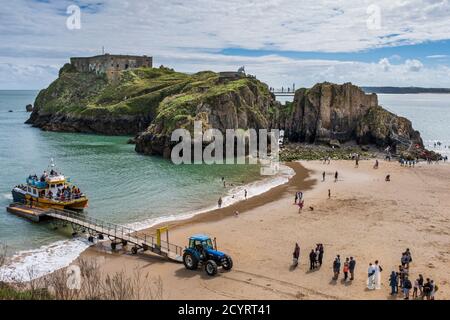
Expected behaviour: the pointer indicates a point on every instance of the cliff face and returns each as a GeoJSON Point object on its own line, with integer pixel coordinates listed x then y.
{"type": "Point", "coordinates": [242, 103]}
{"type": "Point", "coordinates": [329, 112]}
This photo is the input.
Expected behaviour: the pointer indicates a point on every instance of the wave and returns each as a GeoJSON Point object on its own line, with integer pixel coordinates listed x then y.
{"type": "Point", "coordinates": [32, 264]}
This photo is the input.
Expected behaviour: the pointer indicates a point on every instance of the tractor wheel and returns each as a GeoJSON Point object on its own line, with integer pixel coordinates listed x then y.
{"type": "Point", "coordinates": [211, 268]}
{"type": "Point", "coordinates": [190, 261]}
{"type": "Point", "coordinates": [227, 263]}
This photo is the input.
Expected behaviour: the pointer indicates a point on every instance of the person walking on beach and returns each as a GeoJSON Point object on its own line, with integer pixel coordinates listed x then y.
{"type": "Point", "coordinates": [393, 282]}
{"type": "Point", "coordinates": [245, 194]}
{"type": "Point", "coordinates": [420, 280]}
{"type": "Point", "coordinates": [323, 176]}
{"type": "Point", "coordinates": [329, 193]}
{"type": "Point", "coordinates": [388, 178]}
{"type": "Point", "coordinates": [378, 270]}
{"type": "Point", "coordinates": [346, 268]}
{"type": "Point", "coordinates": [415, 294]}
{"type": "Point", "coordinates": [336, 174]}
{"type": "Point", "coordinates": [296, 255]}
{"type": "Point", "coordinates": [219, 202]}
{"type": "Point", "coordinates": [300, 205]}
{"type": "Point", "coordinates": [312, 260]}
{"type": "Point", "coordinates": [336, 267]}
{"type": "Point", "coordinates": [376, 164]}
{"type": "Point", "coordinates": [351, 267]}
{"type": "Point", "coordinates": [427, 287]}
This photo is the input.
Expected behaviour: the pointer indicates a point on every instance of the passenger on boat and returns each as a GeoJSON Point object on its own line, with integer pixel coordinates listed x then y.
{"type": "Point", "coordinates": [50, 194]}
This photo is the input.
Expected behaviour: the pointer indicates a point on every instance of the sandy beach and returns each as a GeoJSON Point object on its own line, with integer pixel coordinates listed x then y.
{"type": "Point", "coordinates": [366, 218]}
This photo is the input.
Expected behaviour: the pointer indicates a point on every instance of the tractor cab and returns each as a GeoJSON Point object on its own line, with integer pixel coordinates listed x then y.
{"type": "Point", "coordinates": [203, 250]}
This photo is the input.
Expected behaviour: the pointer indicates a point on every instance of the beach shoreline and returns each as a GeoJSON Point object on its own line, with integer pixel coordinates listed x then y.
{"type": "Point", "coordinates": [366, 218]}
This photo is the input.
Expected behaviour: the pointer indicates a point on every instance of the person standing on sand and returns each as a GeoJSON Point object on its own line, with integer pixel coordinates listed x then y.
{"type": "Point", "coordinates": [329, 193]}
{"type": "Point", "coordinates": [323, 176]}
{"type": "Point", "coordinates": [371, 277]}
{"type": "Point", "coordinates": [296, 198]}
{"type": "Point", "coordinates": [393, 282]}
{"type": "Point", "coordinates": [376, 164]}
{"type": "Point", "coordinates": [296, 255]}
{"type": "Point", "coordinates": [415, 294]}
{"type": "Point", "coordinates": [420, 280]}
{"type": "Point", "coordinates": [219, 202]}
{"type": "Point", "coordinates": [312, 260]}
{"type": "Point", "coordinates": [245, 194]}
{"type": "Point", "coordinates": [388, 178]}
{"type": "Point", "coordinates": [336, 174]}
{"type": "Point", "coordinates": [321, 251]}
{"type": "Point", "coordinates": [351, 267]}
{"type": "Point", "coordinates": [336, 267]}
{"type": "Point", "coordinates": [346, 269]}
{"type": "Point", "coordinates": [378, 270]}
{"type": "Point", "coordinates": [406, 287]}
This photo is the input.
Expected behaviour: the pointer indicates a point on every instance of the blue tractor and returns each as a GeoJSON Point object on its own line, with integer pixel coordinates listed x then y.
{"type": "Point", "coordinates": [202, 251]}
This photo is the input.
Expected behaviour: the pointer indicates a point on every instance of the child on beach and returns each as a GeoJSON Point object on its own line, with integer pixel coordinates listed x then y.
{"type": "Point", "coordinates": [300, 205]}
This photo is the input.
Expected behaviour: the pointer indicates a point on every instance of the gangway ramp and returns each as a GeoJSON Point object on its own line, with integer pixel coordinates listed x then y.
{"type": "Point", "coordinates": [118, 234]}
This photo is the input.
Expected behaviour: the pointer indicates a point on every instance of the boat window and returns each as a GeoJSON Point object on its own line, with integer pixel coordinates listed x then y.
{"type": "Point", "coordinates": [29, 189]}
{"type": "Point", "coordinates": [34, 191]}
{"type": "Point", "coordinates": [59, 185]}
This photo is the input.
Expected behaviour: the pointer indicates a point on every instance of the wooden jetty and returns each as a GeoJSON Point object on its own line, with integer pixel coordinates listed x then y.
{"type": "Point", "coordinates": [99, 229]}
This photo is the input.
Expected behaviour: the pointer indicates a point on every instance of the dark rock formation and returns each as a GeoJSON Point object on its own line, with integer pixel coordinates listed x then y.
{"type": "Point", "coordinates": [330, 112]}
{"type": "Point", "coordinates": [29, 108]}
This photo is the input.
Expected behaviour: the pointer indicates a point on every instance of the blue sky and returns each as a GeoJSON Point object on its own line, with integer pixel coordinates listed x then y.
{"type": "Point", "coordinates": [395, 43]}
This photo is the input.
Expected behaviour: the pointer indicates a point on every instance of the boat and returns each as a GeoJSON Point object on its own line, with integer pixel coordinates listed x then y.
{"type": "Point", "coordinates": [51, 190]}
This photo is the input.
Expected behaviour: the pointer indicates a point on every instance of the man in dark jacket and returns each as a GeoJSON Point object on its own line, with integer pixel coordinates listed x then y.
{"type": "Point", "coordinates": [312, 260]}
{"type": "Point", "coordinates": [351, 266]}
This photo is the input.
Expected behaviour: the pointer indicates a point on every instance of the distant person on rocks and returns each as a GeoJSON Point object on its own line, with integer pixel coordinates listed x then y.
{"type": "Point", "coordinates": [393, 283]}
{"type": "Point", "coordinates": [351, 267]}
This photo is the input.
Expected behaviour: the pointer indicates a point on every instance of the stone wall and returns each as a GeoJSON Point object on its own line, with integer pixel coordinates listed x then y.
{"type": "Point", "coordinates": [111, 65]}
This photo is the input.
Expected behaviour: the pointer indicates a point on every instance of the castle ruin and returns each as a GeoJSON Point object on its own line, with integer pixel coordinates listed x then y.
{"type": "Point", "coordinates": [110, 64]}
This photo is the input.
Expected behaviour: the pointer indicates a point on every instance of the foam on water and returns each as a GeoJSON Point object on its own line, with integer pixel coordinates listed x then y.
{"type": "Point", "coordinates": [31, 264]}
{"type": "Point", "coordinates": [8, 196]}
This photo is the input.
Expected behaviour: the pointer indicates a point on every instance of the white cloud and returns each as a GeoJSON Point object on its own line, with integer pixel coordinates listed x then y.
{"type": "Point", "coordinates": [185, 34]}
{"type": "Point", "coordinates": [437, 56]}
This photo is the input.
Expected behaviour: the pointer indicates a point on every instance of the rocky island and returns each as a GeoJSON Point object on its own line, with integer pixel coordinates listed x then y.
{"type": "Point", "coordinates": [150, 103]}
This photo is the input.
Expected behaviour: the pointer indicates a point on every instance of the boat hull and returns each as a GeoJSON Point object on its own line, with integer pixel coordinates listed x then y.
{"type": "Point", "coordinates": [75, 204]}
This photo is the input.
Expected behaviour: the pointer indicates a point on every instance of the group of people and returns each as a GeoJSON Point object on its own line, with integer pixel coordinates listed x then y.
{"type": "Point", "coordinates": [422, 289]}
{"type": "Point", "coordinates": [66, 193]}
{"type": "Point", "coordinates": [316, 257]}
{"type": "Point", "coordinates": [348, 268]}
{"type": "Point", "coordinates": [407, 163]}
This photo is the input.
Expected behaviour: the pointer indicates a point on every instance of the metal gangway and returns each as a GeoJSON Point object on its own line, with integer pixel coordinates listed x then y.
{"type": "Point", "coordinates": [119, 234]}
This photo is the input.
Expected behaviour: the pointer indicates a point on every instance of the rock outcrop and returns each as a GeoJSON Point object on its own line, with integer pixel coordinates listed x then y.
{"type": "Point", "coordinates": [29, 107]}
{"type": "Point", "coordinates": [328, 113]}
{"type": "Point", "coordinates": [242, 103]}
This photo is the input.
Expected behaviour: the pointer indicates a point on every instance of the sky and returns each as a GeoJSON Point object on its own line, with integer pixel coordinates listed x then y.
{"type": "Point", "coordinates": [281, 42]}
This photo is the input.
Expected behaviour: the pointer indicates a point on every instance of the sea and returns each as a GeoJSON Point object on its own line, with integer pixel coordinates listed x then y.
{"type": "Point", "coordinates": [135, 190]}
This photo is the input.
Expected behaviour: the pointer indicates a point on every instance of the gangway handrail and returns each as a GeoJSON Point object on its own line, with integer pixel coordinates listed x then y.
{"type": "Point", "coordinates": [116, 230]}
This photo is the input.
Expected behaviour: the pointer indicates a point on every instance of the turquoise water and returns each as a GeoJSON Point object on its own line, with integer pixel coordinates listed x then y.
{"type": "Point", "coordinates": [122, 186]}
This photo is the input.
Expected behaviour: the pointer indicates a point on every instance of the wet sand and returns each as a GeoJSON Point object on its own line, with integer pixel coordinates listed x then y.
{"type": "Point", "coordinates": [366, 218]}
